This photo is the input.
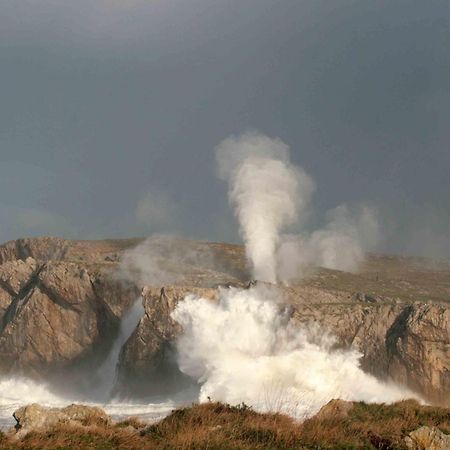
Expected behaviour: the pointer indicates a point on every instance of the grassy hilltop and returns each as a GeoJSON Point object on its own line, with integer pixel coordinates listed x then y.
{"type": "Point", "coordinates": [219, 426]}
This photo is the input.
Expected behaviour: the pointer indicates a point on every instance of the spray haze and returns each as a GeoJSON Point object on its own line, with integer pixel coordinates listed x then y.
{"type": "Point", "coordinates": [164, 259]}
{"type": "Point", "coordinates": [340, 245]}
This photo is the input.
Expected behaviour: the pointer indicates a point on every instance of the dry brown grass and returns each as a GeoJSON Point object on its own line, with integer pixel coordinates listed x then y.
{"type": "Point", "coordinates": [218, 426]}
{"type": "Point", "coordinates": [373, 426]}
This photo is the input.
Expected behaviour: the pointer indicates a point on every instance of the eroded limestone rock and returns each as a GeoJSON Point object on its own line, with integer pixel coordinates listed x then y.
{"type": "Point", "coordinates": [426, 438]}
{"type": "Point", "coordinates": [35, 417]}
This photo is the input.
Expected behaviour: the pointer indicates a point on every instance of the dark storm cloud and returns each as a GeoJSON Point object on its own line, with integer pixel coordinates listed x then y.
{"type": "Point", "coordinates": [111, 108]}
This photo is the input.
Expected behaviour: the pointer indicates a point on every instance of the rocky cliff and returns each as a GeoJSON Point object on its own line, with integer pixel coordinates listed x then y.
{"type": "Point", "coordinates": [59, 308]}
{"type": "Point", "coordinates": [61, 303]}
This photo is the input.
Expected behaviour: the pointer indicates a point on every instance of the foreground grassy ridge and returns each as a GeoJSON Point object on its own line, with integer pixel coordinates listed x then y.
{"type": "Point", "coordinates": [218, 426]}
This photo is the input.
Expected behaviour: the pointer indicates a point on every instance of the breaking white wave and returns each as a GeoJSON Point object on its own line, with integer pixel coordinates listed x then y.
{"type": "Point", "coordinates": [16, 392]}
{"type": "Point", "coordinates": [246, 349]}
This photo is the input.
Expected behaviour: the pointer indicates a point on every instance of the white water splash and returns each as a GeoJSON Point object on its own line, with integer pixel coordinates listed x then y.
{"type": "Point", "coordinates": [18, 391]}
{"type": "Point", "coordinates": [246, 349]}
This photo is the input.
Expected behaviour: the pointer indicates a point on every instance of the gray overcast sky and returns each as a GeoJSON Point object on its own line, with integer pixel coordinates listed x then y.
{"type": "Point", "coordinates": [110, 111]}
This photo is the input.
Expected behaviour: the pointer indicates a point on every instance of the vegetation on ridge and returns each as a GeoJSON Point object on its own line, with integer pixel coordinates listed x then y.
{"type": "Point", "coordinates": [219, 426]}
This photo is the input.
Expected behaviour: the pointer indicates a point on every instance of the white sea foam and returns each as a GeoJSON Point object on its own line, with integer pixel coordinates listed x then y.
{"type": "Point", "coordinates": [247, 349]}
{"type": "Point", "coordinates": [17, 391]}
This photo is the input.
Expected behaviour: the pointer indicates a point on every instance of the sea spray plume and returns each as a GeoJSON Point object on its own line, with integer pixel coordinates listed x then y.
{"type": "Point", "coordinates": [263, 193]}
{"type": "Point", "coordinates": [267, 193]}
{"type": "Point", "coordinates": [246, 348]}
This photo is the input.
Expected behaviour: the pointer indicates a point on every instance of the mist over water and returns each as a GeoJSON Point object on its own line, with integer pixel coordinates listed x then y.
{"type": "Point", "coordinates": [18, 391]}
{"type": "Point", "coordinates": [247, 349]}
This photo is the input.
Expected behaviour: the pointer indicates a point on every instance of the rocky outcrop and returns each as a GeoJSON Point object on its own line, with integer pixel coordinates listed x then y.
{"type": "Point", "coordinates": [55, 313]}
{"type": "Point", "coordinates": [35, 417]}
{"type": "Point", "coordinates": [335, 409]}
{"type": "Point", "coordinates": [14, 275]}
{"type": "Point", "coordinates": [407, 343]}
{"type": "Point", "coordinates": [62, 301]}
{"type": "Point", "coordinates": [418, 348]}
{"type": "Point", "coordinates": [426, 438]}
{"type": "Point", "coordinates": [43, 249]}
{"type": "Point", "coordinates": [59, 316]}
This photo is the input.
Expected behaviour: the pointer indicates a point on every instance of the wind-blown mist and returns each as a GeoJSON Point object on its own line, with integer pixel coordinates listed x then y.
{"type": "Point", "coordinates": [340, 245]}
{"type": "Point", "coordinates": [270, 194]}
{"type": "Point", "coordinates": [162, 259]}
{"type": "Point", "coordinates": [247, 349]}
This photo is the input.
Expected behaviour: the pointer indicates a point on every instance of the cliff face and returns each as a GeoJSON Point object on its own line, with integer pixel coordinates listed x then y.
{"type": "Point", "coordinates": [56, 312]}
{"type": "Point", "coordinates": [62, 301]}
{"type": "Point", "coordinates": [407, 343]}
{"type": "Point", "coordinates": [61, 304]}
{"type": "Point", "coordinates": [418, 347]}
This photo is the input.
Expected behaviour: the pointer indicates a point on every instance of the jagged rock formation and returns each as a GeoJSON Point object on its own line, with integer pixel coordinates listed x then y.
{"type": "Point", "coordinates": [55, 313]}
{"type": "Point", "coordinates": [58, 249]}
